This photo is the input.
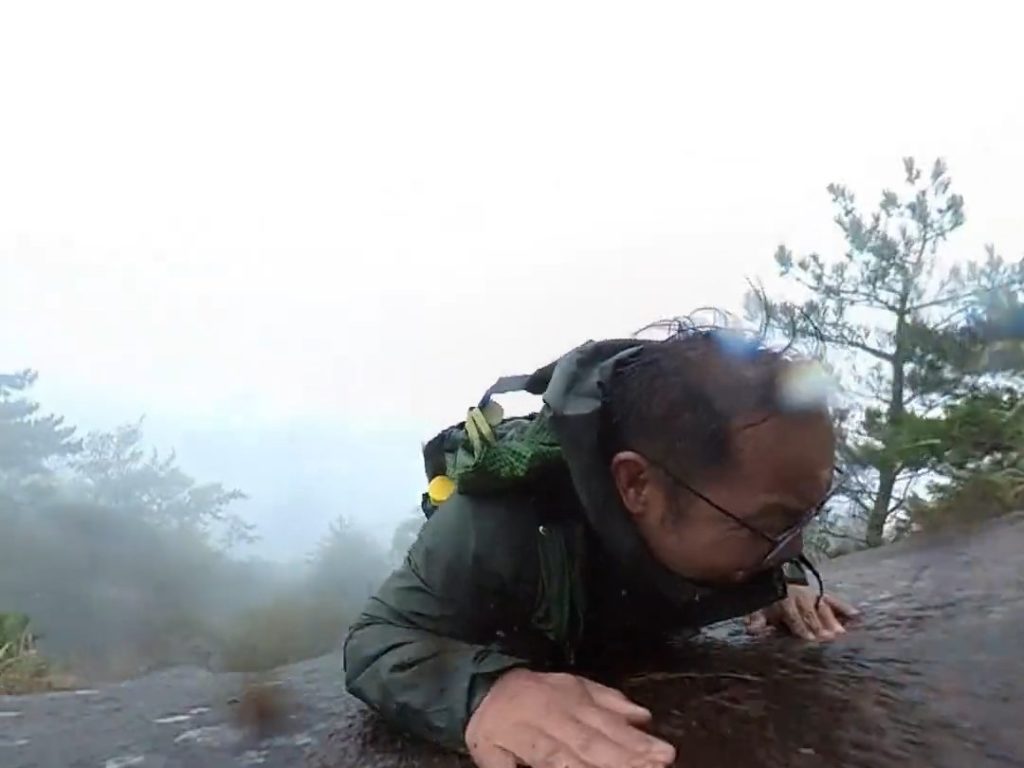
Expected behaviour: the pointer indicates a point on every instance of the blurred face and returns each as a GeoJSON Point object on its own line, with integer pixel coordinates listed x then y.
{"type": "Point", "coordinates": [781, 471]}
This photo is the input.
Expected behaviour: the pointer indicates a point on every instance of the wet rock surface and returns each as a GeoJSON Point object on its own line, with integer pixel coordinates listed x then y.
{"type": "Point", "coordinates": [931, 675]}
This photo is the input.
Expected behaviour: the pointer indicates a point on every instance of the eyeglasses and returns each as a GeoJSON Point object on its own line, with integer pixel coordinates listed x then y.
{"type": "Point", "coordinates": [779, 542]}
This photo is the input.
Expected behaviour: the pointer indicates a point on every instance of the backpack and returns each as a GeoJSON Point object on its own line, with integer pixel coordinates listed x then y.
{"type": "Point", "coordinates": [489, 453]}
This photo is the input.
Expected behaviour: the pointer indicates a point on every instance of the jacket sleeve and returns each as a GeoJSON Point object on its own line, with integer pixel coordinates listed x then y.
{"type": "Point", "coordinates": [424, 651]}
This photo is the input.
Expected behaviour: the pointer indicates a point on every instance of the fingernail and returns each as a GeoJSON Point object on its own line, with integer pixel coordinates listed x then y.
{"type": "Point", "coordinates": [664, 751]}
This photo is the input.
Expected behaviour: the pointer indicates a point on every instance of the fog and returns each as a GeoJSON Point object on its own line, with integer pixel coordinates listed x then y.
{"type": "Point", "coordinates": [301, 240]}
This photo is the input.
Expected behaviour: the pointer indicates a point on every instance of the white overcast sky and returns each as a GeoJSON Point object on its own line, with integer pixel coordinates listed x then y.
{"type": "Point", "coordinates": [243, 213]}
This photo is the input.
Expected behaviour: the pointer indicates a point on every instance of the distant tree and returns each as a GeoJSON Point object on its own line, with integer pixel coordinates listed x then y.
{"type": "Point", "coordinates": [31, 444]}
{"type": "Point", "coordinates": [891, 319]}
{"type": "Point", "coordinates": [309, 615]}
{"type": "Point", "coordinates": [347, 563]}
{"type": "Point", "coordinates": [975, 449]}
{"type": "Point", "coordinates": [405, 534]}
{"type": "Point", "coordinates": [118, 473]}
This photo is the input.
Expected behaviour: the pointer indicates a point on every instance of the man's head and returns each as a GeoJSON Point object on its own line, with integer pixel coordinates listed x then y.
{"type": "Point", "coordinates": [710, 457]}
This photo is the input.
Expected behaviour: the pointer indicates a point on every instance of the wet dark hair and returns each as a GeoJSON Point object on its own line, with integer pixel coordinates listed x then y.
{"type": "Point", "coordinates": [675, 399]}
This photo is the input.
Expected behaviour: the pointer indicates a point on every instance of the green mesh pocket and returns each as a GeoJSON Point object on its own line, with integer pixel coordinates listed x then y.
{"type": "Point", "coordinates": [523, 447]}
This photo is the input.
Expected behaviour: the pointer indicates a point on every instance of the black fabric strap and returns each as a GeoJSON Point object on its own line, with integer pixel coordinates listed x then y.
{"type": "Point", "coordinates": [506, 384]}
{"type": "Point", "coordinates": [535, 383]}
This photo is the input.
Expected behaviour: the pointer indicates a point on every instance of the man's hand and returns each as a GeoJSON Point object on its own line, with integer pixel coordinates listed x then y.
{"type": "Point", "coordinates": [797, 614]}
{"type": "Point", "coordinates": [561, 721]}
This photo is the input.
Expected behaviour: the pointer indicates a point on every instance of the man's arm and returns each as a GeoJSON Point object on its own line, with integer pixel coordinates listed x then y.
{"type": "Point", "coordinates": [424, 652]}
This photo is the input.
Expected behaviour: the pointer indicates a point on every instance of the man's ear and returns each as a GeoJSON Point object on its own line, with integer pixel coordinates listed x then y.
{"type": "Point", "coordinates": [631, 473]}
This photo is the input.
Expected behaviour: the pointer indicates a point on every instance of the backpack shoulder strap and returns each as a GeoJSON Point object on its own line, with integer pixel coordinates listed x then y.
{"type": "Point", "coordinates": [535, 383]}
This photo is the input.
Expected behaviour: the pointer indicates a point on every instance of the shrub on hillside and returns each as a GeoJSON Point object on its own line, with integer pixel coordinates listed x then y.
{"type": "Point", "coordinates": [291, 628]}
{"type": "Point", "coordinates": [980, 496]}
{"type": "Point", "coordinates": [22, 668]}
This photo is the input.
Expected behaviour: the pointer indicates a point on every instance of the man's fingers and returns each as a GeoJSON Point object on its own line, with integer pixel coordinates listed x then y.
{"type": "Point", "coordinates": [561, 721]}
{"type": "Point", "coordinates": [487, 755]}
{"type": "Point", "coordinates": [792, 619]}
{"type": "Point", "coordinates": [841, 607]}
{"type": "Point", "coordinates": [593, 747]}
{"type": "Point", "coordinates": [829, 620]}
{"type": "Point", "coordinates": [616, 701]}
{"type": "Point", "coordinates": [639, 743]}
{"type": "Point", "coordinates": [811, 620]}
{"type": "Point", "coordinates": [539, 749]}
{"type": "Point", "coordinates": [757, 623]}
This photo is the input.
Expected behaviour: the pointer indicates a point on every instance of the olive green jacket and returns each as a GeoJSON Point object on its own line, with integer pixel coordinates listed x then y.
{"type": "Point", "coordinates": [552, 576]}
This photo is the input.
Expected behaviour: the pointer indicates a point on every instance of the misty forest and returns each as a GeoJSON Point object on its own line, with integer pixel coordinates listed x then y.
{"type": "Point", "coordinates": [115, 560]}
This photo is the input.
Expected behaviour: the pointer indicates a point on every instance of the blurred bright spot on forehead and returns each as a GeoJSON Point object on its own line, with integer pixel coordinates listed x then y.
{"type": "Point", "coordinates": [805, 384]}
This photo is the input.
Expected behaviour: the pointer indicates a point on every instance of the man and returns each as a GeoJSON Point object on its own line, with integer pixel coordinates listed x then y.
{"type": "Point", "coordinates": [689, 469]}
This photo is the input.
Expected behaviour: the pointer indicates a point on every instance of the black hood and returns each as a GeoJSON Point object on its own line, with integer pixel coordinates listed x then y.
{"type": "Point", "coordinates": [573, 389]}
